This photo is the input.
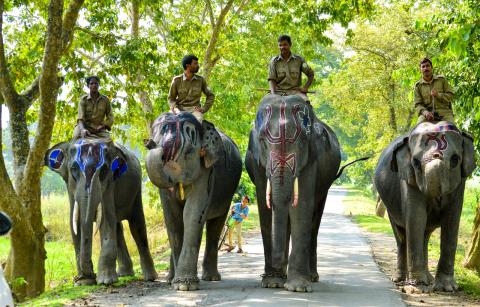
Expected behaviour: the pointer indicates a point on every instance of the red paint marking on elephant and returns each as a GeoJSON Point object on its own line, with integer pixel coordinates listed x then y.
{"type": "Point", "coordinates": [279, 159]}
{"type": "Point", "coordinates": [171, 146]}
{"type": "Point", "coordinates": [442, 143]}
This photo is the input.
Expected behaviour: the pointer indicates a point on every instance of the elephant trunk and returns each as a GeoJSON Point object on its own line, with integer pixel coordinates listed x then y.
{"type": "Point", "coordinates": [433, 177]}
{"type": "Point", "coordinates": [281, 199]}
{"type": "Point", "coordinates": [88, 210]}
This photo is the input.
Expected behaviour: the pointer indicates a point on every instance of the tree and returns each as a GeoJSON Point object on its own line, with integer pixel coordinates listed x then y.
{"type": "Point", "coordinates": [371, 93]}
{"type": "Point", "coordinates": [22, 199]}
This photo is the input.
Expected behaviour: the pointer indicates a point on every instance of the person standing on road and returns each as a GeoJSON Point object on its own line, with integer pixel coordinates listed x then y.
{"type": "Point", "coordinates": [239, 213]}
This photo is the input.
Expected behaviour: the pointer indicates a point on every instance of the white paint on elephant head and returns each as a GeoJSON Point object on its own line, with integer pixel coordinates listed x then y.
{"type": "Point", "coordinates": [317, 127]}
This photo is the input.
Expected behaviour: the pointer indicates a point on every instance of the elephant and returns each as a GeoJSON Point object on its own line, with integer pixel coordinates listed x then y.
{"type": "Point", "coordinates": [420, 178]}
{"type": "Point", "coordinates": [292, 158]}
{"type": "Point", "coordinates": [104, 185]}
{"type": "Point", "coordinates": [197, 169]}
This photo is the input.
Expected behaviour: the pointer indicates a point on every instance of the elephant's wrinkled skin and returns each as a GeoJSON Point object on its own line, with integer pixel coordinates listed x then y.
{"type": "Point", "coordinates": [197, 170]}
{"type": "Point", "coordinates": [421, 179]}
{"type": "Point", "coordinates": [292, 158]}
{"type": "Point", "coordinates": [104, 185]}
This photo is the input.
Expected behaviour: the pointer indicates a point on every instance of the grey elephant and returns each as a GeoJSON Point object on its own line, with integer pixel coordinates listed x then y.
{"type": "Point", "coordinates": [197, 169]}
{"type": "Point", "coordinates": [421, 179]}
{"type": "Point", "coordinates": [293, 159]}
{"type": "Point", "coordinates": [104, 185]}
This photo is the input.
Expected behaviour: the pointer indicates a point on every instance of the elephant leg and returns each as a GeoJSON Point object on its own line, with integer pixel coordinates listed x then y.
{"type": "Point", "coordinates": [444, 278]}
{"type": "Point", "coordinates": [298, 276]}
{"type": "Point", "coordinates": [317, 217]}
{"type": "Point", "coordinates": [270, 279]}
{"type": "Point", "coordinates": [210, 259]}
{"type": "Point", "coordinates": [139, 233]}
{"type": "Point", "coordinates": [173, 217]}
{"type": "Point", "coordinates": [125, 266]}
{"type": "Point", "coordinates": [400, 274]}
{"type": "Point", "coordinates": [415, 222]}
{"type": "Point", "coordinates": [108, 239]}
{"type": "Point", "coordinates": [428, 233]}
{"type": "Point", "coordinates": [75, 237]}
{"type": "Point", "coordinates": [194, 215]}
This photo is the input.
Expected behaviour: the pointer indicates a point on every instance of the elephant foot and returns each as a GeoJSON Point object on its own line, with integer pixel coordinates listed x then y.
{"type": "Point", "coordinates": [416, 287]}
{"type": "Point", "coordinates": [106, 277]}
{"type": "Point", "coordinates": [399, 276]}
{"type": "Point", "coordinates": [84, 280]}
{"type": "Point", "coordinates": [445, 283]}
{"type": "Point", "coordinates": [150, 275]}
{"type": "Point", "coordinates": [298, 285]}
{"type": "Point", "coordinates": [170, 277]}
{"type": "Point", "coordinates": [185, 283]}
{"type": "Point", "coordinates": [214, 276]}
{"type": "Point", "coordinates": [430, 278]}
{"type": "Point", "coordinates": [273, 280]}
{"type": "Point", "coordinates": [314, 277]}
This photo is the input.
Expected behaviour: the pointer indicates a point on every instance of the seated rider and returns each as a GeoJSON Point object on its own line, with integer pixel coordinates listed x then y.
{"type": "Point", "coordinates": [186, 90]}
{"type": "Point", "coordinates": [95, 116]}
{"type": "Point", "coordinates": [285, 72]}
{"type": "Point", "coordinates": [433, 95]}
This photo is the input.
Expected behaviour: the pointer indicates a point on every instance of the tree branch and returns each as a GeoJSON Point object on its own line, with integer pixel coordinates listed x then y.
{"type": "Point", "coordinates": [208, 5]}
{"type": "Point", "coordinates": [208, 62]}
{"type": "Point", "coordinates": [6, 85]}
{"type": "Point", "coordinates": [238, 11]}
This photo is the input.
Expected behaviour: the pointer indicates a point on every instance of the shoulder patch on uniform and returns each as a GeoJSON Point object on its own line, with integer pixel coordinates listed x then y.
{"type": "Point", "coordinates": [275, 58]}
{"type": "Point", "coordinates": [439, 77]}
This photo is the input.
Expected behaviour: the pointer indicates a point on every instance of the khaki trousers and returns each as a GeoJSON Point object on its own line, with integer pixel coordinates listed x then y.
{"type": "Point", "coordinates": [237, 226]}
{"type": "Point", "coordinates": [198, 115]}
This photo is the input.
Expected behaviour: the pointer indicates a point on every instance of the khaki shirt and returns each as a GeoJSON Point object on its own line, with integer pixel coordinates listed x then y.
{"type": "Point", "coordinates": [424, 99]}
{"type": "Point", "coordinates": [95, 112]}
{"type": "Point", "coordinates": [287, 74]}
{"type": "Point", "coordinates": [186, 93]}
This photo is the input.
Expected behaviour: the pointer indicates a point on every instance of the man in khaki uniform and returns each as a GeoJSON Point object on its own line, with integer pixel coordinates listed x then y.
{"type": "Point", "coordinates": [433, 95]}
{"type": "Point", "coordinates": [95, 116]}
{"type": "Point", "coordinates": [186, 90]}
{"type": "Point", "coordinates": [285, 73]}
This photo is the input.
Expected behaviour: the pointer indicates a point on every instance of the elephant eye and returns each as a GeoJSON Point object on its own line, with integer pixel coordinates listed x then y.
{"type": "Point", "coordinates": [416, 163]}
{"type": "Point", "coordinates": [454, 161]}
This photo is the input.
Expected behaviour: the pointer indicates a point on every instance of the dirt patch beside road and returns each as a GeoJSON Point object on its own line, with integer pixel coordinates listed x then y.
{"type": "Point", "coordinates": [384, 252]}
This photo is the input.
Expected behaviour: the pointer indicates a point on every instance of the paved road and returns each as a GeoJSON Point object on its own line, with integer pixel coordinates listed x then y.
{"type": "Point", "coordinates": [348, 275]}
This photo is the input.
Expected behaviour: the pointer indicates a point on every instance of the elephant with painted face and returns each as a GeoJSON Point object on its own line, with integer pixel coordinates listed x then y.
{"type": "Point", "coordinates": [421, 179]}
{"type": "Point", "coordinates": [293, 159]}
{"type": "Point", "coordinates": [104, 186]}
{"type": "Point", "coordinates": [197, 169]}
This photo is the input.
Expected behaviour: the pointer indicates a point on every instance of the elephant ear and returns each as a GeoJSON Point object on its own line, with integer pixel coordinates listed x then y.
{"type": "Point", "coordinates": [5, 224]}
{"type": "Point", "coordinates": [56, 159]}
{"type": "Point", "coordinates": [468, 158]}
{"type": "Point", "coordinates": [401, 161]}
{"type": "Point", "coordinates": [119, 165]}
{"type": "Point", "coordinates": [212, 144]}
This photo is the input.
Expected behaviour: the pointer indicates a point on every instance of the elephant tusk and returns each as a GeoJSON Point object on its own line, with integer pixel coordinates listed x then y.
{"type": "Point", "coordinates": [295, 192]}
{"type": "Point", "coordinates": [98, 218]}
{"type": "Point", "coordinates": [75, 218]}
{"type": "Point", "coordinates": [269, 193]}
{"type": "Point", "coordinates": [181, 192]}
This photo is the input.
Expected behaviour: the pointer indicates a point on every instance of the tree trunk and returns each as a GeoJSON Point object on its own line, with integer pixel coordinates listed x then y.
{"type": "Point", "coordinates": [472, 261]}
{"type": "Point", "coordinates": [147, 106]}
{"type": "Point", "coordinates": [26, 262]}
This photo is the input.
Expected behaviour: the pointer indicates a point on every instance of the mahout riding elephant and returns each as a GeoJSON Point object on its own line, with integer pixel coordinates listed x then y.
{"type": "Point", "coordinates": [293, 159]}
{"type": "Point", "coordinates": [420, 177]}
{"type": "Point", "coordinates": [104, 185]}
{"type": "Point", "coordinates": [197, 169]}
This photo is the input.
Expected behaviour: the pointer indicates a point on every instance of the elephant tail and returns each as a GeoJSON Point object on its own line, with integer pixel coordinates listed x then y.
{"type": "Point", "coordinates": [348, 164]}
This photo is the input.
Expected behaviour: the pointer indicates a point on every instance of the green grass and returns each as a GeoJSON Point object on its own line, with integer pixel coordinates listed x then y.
{"type": "Point", "coordinates": [60, 265]}
{"type": "Point", "coordinates": [362, 210]}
